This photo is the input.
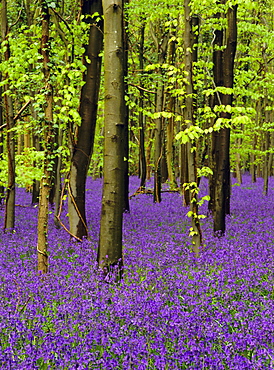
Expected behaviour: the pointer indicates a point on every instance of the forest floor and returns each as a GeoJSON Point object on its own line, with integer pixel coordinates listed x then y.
{"type": "Point", "coordinates": [171, 311]}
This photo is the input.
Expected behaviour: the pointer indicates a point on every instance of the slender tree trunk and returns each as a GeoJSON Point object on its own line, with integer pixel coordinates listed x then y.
{"type": "Point", "coordinates": [1, 136]}
{"type": "Point", "coordinates": [222, 143]}
{"type": "Point", "coordinates": [238, 161]}
{"type": "Point", "coordinates": [148, 152]}
{"type": "Point", "coordinates": [48, 131]}
{"type": "Point", "coordinates": [58, 183]}
{"type": "Point", "coordinates": [189, 121]}
{"type": "Point", "coordinates": [170, 124]}
{"type": "Point", "coordinates": [170, 146]}
{"type": "Point", "coordinates": [252, 160]}
{"type": "Point", "coordinates": [29, 13]}
{"type": "Point", "coordinates": [228, 61]}
{"type": "Point", "coordinates": [142, 155]}
{"type": "Point", "coordinates": [109, 255]}
{"type": "Point", "coordinates": [266, 161]}
{"type": "Point", "coordinates": [270, 159]}
{"type": "Point", "coordinates": [126, 207]}
{"type": "Point", "coordinates": [2, 195]}
{"type": "Point", "coordinates": [56, 176]}
{"type": "Point", "coordinates": [158, 144]}
{"type": "Point", "coordinates": [36, 183]}
{"type": "Point", "coordinates": [88, 111]}
{"type": "Point", "coordinates": [218, 81]}
{"type": "Point", "coordinates": [161, 48]}
{"type": "Point", "coordinates": [184, 174]}
{"type": "Point", "coordinates": [10, 191]}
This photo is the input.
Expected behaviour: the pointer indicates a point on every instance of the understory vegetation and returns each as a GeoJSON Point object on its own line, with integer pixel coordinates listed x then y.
{"type": "Point", "coordinates": [170, 311]}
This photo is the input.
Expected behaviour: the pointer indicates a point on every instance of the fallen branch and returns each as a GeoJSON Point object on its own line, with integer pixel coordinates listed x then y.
{"type": "Point", "coordinates": [150, 191]}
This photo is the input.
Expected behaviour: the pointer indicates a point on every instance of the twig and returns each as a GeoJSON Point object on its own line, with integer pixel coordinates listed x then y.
{"type": "Point", "coordinates": [143, 89]}
{"type": "Point", "coordinates": [3, 126]}
{"type": "Point", "coordinates": [20, 205]}
{"type": "Point", "coordinates": [60, 211]}
{"type": "Point", "coordinates": [22, 109]}
{"type": "Point", "coordinates": [150, 191]}
{"type": "Point", "coordinates": [62, 19]}
{"type": "Point", "coordinates": [25, 304]}
{"type": "Point", "coordinates": [76, 208]}
{"type": "Point", "coordinates": [17, 20]}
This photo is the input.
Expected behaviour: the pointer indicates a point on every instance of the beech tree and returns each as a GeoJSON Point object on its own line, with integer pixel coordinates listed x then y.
{"type": "Point", "coordinates": [223, 70]}
{"type": "Point", "coordinates": [83, 148]}
{"type": "Point", "coordinates": [48, 132]}
{"type": "Point", "coordinates": [8, 103]}
{"type": "Point", "coordinates": [109, 254]}
{"type": "Point", "coordinates": [192, 183]}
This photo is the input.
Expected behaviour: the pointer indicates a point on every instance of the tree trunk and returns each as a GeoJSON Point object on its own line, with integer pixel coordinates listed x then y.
{"type": "Point", "coordinates": [238, 160]}
{"type": "Point", "coordinates": [109, 255]}
{"type": "Point", "coordinates": [48, 131]}
{"type": "Point", "coordinates": [161, 48]}
{"type": "Point", "coordinates": [266, 159]}
{"type": "Point", "coordinates": [88, 111]}
{"type": "Point", "coordinates": [189, 121]}
{"type": "Point", "coordinates": [56, 176]}
{"type": "Point", "coordinates": [221, 170]}
{"type": "Point", "coordinates": [252, 160]}
{"type": "Point", "coordinates": [58, 183]}
{"type": "Point", "coordinates": [10, 191]}
{"type": "Point", "coordinates": [126, 121]}
{"type": "Point", "coordinates": [184, 174]}
{"type": "Point", "coordinates": [170, 146]}
{"type": "Point", "coordinates": [270, 159]}
{"type": "Point", "coordinates": [158, 144]}
{"type": "Point", "coordinates": [1, 137]}
{"type": "Point", "coordinates": [36, 183]}
{"type": "Point", "coordinates": [142, 155]}
{"type": "Point", "coordinates": [218, 81]}
{"type": "Point", "coordinates": [151, 135]}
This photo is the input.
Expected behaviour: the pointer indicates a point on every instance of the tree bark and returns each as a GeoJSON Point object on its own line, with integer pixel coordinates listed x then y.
{"type": "Point", "coordinates": [142, 155]}
{"type": "Point", "coordinates": [184, 174]}
{"type": "Point", "coordinates": [126, 207]}
{"type": "Point", "coordinates": [169, 144]}
{"type": "Point", "coordinates": [109, 255]}
{"type": "Point", "coordinates": [1, 140]}
{"type": "Point", "coordinates": [83, 148]}
{"type": "Point", "coordinates": [189, 121]}
{"type": "Point", "coordinates": [1, 133]}
{"type": "Point", "coordinates": [158, 144]}
{"type": "Point", "coordinates": [36, 183]}
{"type": "Point", "coordinates": [238, 161]}
{"type": "Point", "coordinates": [159, 103]}
{"type": "Point", "coordinates": [224, 73]}
{"type": "Point", "coordinates": [10, 191]}
{"type": "Point", "coordinates": [270, 159]}
{"type": "Point", "coordinates": [218, 81]}
{"type": "Point", "coordinates": [48, 131]}
{"type": "Point", "coordinates": [252, 159]}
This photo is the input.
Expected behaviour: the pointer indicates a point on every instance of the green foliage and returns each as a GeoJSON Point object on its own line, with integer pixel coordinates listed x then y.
{"type": "Point", "coordinates": [251, 111]}
{"type": "Point", "coordinates": [26, 172]}
{"type": "Point", "coordinates": [26, 82]}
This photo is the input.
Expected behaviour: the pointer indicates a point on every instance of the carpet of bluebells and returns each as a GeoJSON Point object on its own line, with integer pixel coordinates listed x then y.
{"type": "Point", "coordinates": [171, 311]}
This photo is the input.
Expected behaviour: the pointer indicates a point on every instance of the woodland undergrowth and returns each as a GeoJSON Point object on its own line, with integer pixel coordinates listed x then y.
{"type": "Point", "coordinates": [170, 311]}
